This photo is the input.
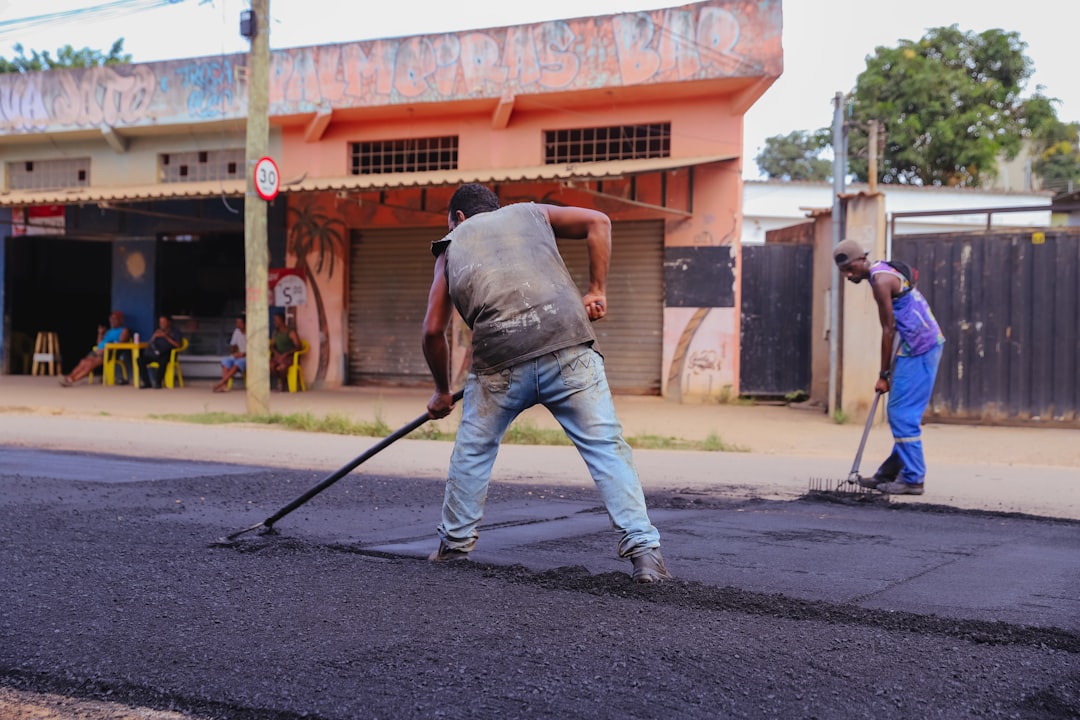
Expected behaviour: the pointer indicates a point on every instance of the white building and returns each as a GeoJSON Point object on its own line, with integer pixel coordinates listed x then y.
{"type": "Point", "coordinates": [772, 204]}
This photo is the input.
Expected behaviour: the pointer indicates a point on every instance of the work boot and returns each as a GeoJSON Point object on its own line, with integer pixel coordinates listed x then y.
{"type": "Point", "coordinates": [899, 487]}
{"type": "Point", "coordinates": [649, 567]}
{"type": "Point", "coordinates": [870, 483]}
{"type": "Point", "coordinates": [445, 553]}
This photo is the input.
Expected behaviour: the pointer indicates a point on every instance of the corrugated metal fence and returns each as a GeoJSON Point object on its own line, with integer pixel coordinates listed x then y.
{"type": "Point", "coordinates": [774, 357]}
{"type": "Point", "coordinates": [1009, 305]}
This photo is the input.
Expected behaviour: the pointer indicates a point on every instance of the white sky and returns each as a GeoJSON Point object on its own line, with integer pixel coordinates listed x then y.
{"type": "Point", "coordinates": [826, 42]}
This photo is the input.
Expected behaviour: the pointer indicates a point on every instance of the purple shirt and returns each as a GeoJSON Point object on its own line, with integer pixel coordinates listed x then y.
{"type": "Point", "coordinates": [915, 322]}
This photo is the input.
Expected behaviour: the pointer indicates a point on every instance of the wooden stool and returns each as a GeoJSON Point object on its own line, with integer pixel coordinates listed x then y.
{"type": "Point", "coordinates": [46, 354]}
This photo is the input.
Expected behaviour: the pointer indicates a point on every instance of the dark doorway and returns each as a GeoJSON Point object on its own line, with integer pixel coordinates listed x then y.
{"type": "Point", "coordinates": [58, 285]}
{"type": "Point", "coordinates": [200, 275]}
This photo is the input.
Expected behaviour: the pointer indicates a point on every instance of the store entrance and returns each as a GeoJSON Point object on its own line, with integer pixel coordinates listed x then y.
{"type": "Point", "coordinates": [200, 282]}
{"type": "Point", "coordinates": [55, 284]}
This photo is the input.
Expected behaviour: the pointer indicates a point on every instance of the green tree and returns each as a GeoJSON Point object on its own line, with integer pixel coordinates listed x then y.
{"type": "Point", "coordinates": [1058, 164]}
{"type": "Point", "coordinates": [796, 156]}
{"type": "Point", "coordinates": [66, 57]}
{"type": "Point", "coordinates": [1056, 144]}
{"type": "Point", "coordinates": [950, 105]}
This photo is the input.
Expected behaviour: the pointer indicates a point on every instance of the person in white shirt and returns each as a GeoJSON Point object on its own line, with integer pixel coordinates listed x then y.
{"type": "Point", "coordinates": [236, 361]}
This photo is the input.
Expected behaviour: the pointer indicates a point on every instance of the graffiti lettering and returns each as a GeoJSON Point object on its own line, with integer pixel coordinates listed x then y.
{"type": "Point", "coordinates": [331, 74]}
{"type": "Point", "coordinates": [559, 65]}
{"type": "Point", "coordinates": [447, 52]}
{"type": "Point", "coordinates": [520, 58]}
{"type": "Point", "coordinates": [103, 95]}
{"type": "Point", "coordinates": [633, 35]}
{"type": "Point", "coordinates": [701, 41]}
{"type": "Point", "coordinates": [414, 63]}
{"type": "Point", "coordinates": [717, 32]}
{"type": "Point", "coordinates": [480, 62]}
{"type": "Point", "coordinates": [22, 106]}
{"type": "Point", "coordinates": [636, 48]}
{"type": "Point", "coordinates": [679, 45]}
{"type": "Point", "coordinates": [703, 361]}
{"type": "Point", "coordinates": [210, 85]}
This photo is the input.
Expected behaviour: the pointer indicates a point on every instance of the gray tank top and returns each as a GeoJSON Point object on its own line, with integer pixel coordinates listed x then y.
{"type": "Point", "coordinates": [513, 290]}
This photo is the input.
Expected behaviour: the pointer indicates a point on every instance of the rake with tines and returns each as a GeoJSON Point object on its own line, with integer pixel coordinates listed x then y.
{"type": "Point", "coordinates": [267, 525]}
{"type": "Point", "coordinates": [851, 486]}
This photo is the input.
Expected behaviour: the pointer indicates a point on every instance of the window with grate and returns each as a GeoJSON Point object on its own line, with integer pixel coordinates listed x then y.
{"type": "Point", "coordinates": [201, 165]}
{"type": "Point", "coordinates": [621, 142]}
{"type": "Point", "coordinates": [48, 174]}
{"type": "Point", "coordinates": [397, 156]}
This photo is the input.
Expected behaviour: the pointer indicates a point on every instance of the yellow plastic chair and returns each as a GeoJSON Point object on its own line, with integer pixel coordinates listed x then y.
{"type": "Point", "coordinates": [295, 376]}
{"type": "Point", "coordinates": [108, 368]}
{"type": "Point", "coordinates": [173, 376]}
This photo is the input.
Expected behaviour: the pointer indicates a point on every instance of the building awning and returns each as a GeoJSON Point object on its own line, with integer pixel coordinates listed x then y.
{"type": "Point", "coordinates": [358, 183]}
{"type": "Point", "coordinates": [538, 173]}
{"type": "Point", "coordinates": [126, 193]}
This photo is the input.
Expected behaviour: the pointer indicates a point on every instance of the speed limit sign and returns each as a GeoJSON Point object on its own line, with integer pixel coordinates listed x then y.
{"type": "Point", "coordinates": [267, 178]}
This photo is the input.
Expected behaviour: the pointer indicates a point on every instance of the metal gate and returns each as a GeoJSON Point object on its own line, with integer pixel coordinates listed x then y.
{"type": "Point", "coordinates": [1008, 304]}
{"type": "Point", "coordinates": [775, 325]}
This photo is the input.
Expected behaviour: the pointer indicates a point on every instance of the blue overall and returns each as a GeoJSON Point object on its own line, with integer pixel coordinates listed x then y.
{"type": "Point", "coordinates": [909, 394]}
{"type": "Point", "coordinates": [913, 376]}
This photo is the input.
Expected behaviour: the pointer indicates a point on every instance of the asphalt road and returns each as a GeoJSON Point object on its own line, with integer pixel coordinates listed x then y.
{"type": "Point", "coordinates": [116, 600]}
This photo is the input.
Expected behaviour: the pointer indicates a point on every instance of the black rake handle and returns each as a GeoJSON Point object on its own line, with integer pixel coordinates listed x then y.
{"type": "Point", "coordinates": [375, 449]}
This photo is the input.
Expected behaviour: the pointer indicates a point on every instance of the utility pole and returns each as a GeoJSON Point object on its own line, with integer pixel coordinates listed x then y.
{"type": "Point", "coordinates": [872, 155]}
{"type": "Point", "coordinates": [256, 254]}
{"type": "Point", "coordinates": [839, 144]}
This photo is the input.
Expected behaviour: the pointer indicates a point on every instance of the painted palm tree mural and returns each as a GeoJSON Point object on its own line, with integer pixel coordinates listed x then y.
{"type": "Point", "coordinates": [317, 240]}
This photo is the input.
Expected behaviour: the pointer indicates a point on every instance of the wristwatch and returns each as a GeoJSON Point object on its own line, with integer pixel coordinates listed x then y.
{"type": "Point", "coordinates": [885, 374]}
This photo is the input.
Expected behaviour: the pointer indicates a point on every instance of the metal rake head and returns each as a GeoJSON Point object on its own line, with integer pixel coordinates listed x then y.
{"type": "Point", "coordinates": [844, 490]}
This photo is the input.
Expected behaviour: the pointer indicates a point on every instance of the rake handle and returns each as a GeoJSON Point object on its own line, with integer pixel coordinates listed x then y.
{"type": "Point", "coordinates": [378, 447]}
{"type": "Point", "coordinates": [865, 434]}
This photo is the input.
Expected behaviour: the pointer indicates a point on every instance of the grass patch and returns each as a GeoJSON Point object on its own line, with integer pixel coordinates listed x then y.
{"type": "Point", "coordinates": [519, 433]}
{"type": "Point", "coordinates": [333, 424]}
{"type": "Point", "coordinates": [525, 433]}
{"type": "Point", "coordinates": [712, 443]}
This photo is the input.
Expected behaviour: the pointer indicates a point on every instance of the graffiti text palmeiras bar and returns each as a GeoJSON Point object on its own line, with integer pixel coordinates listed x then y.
{"type": "Point", "coordinates": [703, 41]}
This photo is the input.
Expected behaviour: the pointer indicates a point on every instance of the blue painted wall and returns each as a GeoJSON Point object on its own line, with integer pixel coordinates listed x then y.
{"type": "Point", "coordinates": [134, 265]}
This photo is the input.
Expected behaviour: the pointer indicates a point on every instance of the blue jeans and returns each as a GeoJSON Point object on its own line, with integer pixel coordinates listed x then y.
{"type": "Point", "coordinates": [570, 383]}
{"type": "Point", "coordinates": [228, 362]}
{"type": "Point", "coordinates": [909, 394]}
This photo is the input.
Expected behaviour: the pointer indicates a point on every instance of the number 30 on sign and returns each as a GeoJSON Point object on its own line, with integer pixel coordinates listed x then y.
{"type": "Point", "coordinates": [267, 179]}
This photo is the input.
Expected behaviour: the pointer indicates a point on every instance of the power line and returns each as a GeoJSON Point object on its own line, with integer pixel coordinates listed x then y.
{"type": "Point", "coordinates": [102, 11]}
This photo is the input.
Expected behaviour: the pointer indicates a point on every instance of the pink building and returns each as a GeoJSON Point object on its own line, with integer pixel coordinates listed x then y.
{"type": "Point", "coordinates": [639, 115]}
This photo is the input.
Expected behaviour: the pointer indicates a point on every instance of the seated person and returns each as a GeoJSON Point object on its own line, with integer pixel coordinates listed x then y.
{"type": "Point", "coordinates": [158, 350]}
{"type": "Point", "coordinates": [236, 361]}
{"type": "Point", "coordinates": [116, 332]}
{"type": "Point", "coordinates": [282, 346]}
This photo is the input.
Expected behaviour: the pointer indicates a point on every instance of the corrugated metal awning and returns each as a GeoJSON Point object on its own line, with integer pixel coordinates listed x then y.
{"type": "Point", "coordinates": [127, 193]}
{"type": "Point", "coordinates": [235, 188]}
{"type": "Point", "coordinates": [537, 173]}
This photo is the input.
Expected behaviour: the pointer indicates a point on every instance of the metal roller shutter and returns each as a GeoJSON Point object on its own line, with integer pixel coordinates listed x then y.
{"type": "Point", "coordinates": [388, 290]}
{"type": "Point", "coordinates": [631, 336]}
{"type": "Point", "coordinates": [391, 276]}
